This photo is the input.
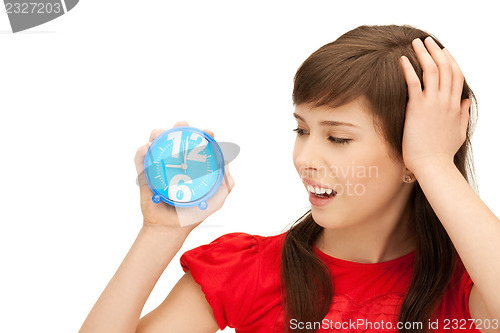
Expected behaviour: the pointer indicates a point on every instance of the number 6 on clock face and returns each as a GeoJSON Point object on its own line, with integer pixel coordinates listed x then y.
{"type": "Point", "coordinates": [184, 167]}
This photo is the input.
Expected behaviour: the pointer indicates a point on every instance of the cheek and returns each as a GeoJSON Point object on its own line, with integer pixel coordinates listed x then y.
{"type": "Point", "coordinates": [372, 176]}
{"type": "Point", "coordinates": [366, 179]}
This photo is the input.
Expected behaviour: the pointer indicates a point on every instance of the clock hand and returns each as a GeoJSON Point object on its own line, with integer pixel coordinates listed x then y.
{"type": "Point", "coordinates": [170, 165]}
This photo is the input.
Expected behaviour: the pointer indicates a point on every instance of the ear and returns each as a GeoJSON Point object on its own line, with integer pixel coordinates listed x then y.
{"type": "Point", "coordinates": [405, 170]}
{"type": "Point", "coordinates": [408, 176]}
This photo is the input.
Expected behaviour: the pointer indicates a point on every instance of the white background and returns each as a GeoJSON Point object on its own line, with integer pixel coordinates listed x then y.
{"type": "Point", "coordinates": [80, 94]}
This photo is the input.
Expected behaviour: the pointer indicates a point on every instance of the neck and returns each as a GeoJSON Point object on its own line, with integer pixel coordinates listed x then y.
{"type": "Point", "coordinates": [382, 239]}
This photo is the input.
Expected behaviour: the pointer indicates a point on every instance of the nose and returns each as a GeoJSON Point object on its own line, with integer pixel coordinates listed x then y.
{"type": "Point", "coordinates": [307, 158]}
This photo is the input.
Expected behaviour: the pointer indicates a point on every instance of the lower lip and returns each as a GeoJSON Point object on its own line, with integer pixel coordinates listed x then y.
{"type": "Point", "coordinates": [316, 201]}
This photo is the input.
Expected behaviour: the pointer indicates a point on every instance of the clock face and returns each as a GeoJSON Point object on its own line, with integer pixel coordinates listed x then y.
{"type": "Point", "coordinates": [184, 166]}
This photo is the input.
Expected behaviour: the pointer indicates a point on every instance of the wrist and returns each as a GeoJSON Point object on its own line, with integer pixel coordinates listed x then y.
{"type": "Point", "coordinates": [165, 235]}
{"type": "Point", "coordinates": [433, 168]}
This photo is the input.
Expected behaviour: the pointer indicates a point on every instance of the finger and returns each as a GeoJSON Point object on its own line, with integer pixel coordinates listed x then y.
{"type": "Point", "coordinates": [411, 78]}
{"type": "Point", "coordinates": [209, 133]}
{"type": "Point", "coordinates": [140, 155]}
{"type": "Point", "coordinates": [442, 61]}
{"type": "Point", "coordinates": [139, 158]}
{"type": "Point", "coordinates": [139, 164]}
{"type": "Point", "coordinates": [181, 123]}
{"type": "Point", "coordinates": [431, 72]}
{"type": "Point", "coordinates": [458, 78]}
{"type": "Point", "coordinates": [154, 133]}
{"type": "Point", "coordinates": [228, 179]}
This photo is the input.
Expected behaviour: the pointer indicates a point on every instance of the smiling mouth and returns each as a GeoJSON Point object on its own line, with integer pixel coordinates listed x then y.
{"type": "Point", "coordinates": [321, 192]}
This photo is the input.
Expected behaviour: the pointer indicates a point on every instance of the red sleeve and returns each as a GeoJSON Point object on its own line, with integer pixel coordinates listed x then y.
{"type": "Point", "coordinates": [460, 291]}
{"type": "Point", "coordinates": [455, 303]}
{"type": "Point", "coordinates": [227, 271]}
{"type": "Point", "coordinates": [466, 286]}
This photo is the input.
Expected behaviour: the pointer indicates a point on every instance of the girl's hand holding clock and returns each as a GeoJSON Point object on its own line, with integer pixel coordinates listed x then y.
{"type": "Point", "coordinates": [436, 118]}
{"type": "Point", "coordinates": [162, 216]}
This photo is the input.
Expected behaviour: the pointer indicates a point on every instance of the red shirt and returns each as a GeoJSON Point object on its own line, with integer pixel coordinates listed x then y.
{"type": "Point", "coordinates": [239, 275]}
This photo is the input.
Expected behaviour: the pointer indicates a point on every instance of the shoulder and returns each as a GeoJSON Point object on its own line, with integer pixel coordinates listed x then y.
{"type": "Point", "coordinates": [457, 294]}
{"type": "Point", "coordinates": [471, 302]}
{"type": "Point", "coordinates": [234, 247]}
{"type": "Point", "coordinates": [455, 303]}
{"type": "Point", "coordinates": [229, 271]}
{"type": "Point", "coordinates": [461, 284]}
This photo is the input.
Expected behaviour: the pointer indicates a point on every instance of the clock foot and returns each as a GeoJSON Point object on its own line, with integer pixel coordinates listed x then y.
{"type": "Point", "coordinates": [203, 205]}
{"type": "Point", "coordinates": [156, 198]}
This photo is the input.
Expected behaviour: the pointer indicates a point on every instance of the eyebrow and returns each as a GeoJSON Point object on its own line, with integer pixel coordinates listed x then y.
{"type": "Point", "coordinates": [327, 122]}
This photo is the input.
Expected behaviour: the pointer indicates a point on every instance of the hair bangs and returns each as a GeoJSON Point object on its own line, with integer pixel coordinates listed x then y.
{"type": "Point", "coordinates": [333, 77]}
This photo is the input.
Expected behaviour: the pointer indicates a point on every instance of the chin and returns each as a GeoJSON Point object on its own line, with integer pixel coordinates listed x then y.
{"type": "Point", "coordinates": [326, 219]}
{"type": "Point", "coordinates": [329, 219]}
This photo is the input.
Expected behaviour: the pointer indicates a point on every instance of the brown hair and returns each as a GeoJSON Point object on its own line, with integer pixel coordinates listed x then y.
{"type": "Point", "coordinates": [365, 62]}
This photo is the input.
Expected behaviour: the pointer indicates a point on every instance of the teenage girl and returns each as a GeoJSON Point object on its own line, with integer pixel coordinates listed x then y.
{"type": "Point", "coordinates": [396, 239]}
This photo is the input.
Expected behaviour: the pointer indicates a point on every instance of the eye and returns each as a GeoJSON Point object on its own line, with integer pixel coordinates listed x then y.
{"type": "Point", "coordinates": [299, 131]}
{"type": "Point", "coordinates": [338, 140]}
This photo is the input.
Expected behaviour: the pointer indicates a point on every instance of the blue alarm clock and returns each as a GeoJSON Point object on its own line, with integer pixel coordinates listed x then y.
{"type": "Point", "coordinates": [184, 167]}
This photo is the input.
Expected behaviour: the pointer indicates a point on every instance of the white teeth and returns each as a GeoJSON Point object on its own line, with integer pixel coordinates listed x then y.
{"type": "Point", "coordinates": [318, 190]}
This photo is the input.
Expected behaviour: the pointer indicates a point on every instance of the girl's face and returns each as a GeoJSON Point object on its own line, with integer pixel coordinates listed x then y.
{"type": "Point", "coordinates": [340, 149]}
